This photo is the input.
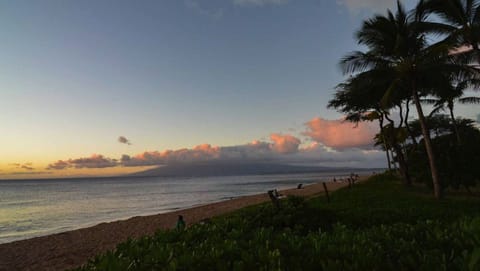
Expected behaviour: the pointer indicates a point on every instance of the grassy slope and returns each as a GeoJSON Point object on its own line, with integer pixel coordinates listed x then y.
{"type": "Point", "coordinates": [385, 200]}
{"type": "Point", "coordinates": [378, 225]}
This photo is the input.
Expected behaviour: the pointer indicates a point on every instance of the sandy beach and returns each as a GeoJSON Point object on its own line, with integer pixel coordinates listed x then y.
{"type": "Point", "coordinates": [74, 248]}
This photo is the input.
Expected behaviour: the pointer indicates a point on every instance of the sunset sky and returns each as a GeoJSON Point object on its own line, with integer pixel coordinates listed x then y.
{"type": "Point", "coordinates": [107, 87]}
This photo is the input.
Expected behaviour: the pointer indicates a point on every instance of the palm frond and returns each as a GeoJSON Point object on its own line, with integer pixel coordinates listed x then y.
{"type": "Point", "coordinates": [358, 61]}
{"type": "Point", "coordinates": [435, 110]}
{"type": "Point", "coordinates": [387, 99]}
{"type": "Point", "coordinates": [469, 100]}
{"type": "Point", "coordinates": [429, 101]}
{"type": "Point", "coordinates": [435, 28]}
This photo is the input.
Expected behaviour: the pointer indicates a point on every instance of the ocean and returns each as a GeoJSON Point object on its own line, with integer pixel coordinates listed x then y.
{"type": "Point", "coordinates": [31, 208]}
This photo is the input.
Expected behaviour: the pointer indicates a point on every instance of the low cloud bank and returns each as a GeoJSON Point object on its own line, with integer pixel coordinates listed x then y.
{"type": "Point", "coordinates": [20, 173]}
{"type": "Point", "coordinates": [26, 166]}
{"type": "Point", "coordinates": [329, 143]}
{"type": "Point", "coordinates": [254, 151]}
{"type": "Point", "coordinates": [94, 161]}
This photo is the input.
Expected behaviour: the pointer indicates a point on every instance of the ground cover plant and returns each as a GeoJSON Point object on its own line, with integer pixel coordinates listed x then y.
{"type": "Point", "coordinates": [377, 225]}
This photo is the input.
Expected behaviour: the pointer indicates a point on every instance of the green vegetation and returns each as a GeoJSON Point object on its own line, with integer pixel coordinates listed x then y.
{"type": "Point", "coordinates": [458, 163]}
{"type": "Point", "coordinates": [412, 57]}
{"type": "Point", "coordinates": [378, 225]}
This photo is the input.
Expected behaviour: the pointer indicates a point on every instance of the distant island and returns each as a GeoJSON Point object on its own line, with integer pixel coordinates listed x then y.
{"type": "Point", "coordinates": [239, 169]}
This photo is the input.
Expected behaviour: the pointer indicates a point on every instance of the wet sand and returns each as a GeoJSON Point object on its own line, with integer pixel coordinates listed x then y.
{"type": "Point", "coordinates": [73, 248]}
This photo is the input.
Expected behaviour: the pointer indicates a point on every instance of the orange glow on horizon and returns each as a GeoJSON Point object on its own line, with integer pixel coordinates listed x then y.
{"type": "Point", "coordinates": [11, 172]}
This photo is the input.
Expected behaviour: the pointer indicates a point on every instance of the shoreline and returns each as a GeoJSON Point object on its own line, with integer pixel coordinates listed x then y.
{"type": "Point", "coordinates": [73, 248]}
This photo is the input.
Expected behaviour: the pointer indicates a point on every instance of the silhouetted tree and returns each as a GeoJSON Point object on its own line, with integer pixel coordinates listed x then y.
{"type": "Point", "coordinates": [402, 65]}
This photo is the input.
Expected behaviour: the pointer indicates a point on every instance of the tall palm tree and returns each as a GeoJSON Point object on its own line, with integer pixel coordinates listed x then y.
{"type": "Point", "coordinates": [398, 44]}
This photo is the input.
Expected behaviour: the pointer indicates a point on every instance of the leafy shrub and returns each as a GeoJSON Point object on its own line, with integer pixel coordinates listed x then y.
{"type": "Point", "coordinates": [374, 226]}
{"type": "Point", "coordinates": [426, 245]}
{"type": "Point", "coordinates": [295, 213]}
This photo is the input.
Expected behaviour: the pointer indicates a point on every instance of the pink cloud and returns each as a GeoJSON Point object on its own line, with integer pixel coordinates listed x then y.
{"type": "Point", "coordinates": [206, 151]}
{"type": "Point", "coordinates": [340, 134]}
{"type": "Point", "coordinates": [256, 150]}
{"type": "Point", "coordinates": [284, 143]}
{"type": "Point", "coordinates": [335, 134]}
{"type": "Point", "coordinates": [198, 153]}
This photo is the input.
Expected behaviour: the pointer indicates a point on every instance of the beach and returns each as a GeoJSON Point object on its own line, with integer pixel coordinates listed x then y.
{"type": "Point", "coordinates": [73, 248]}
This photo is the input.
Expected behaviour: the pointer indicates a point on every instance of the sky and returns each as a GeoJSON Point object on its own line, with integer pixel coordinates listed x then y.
{"type": "Point", "coordinates": [112, 87]}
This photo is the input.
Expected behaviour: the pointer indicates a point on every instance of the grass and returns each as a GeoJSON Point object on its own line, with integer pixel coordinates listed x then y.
{"type": "Point", "coordinates": [384, 200]}
{"type": "Point", "coordinates": [377, 225]}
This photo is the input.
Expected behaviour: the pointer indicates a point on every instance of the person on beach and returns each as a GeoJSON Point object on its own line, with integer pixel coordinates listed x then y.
{"type": "Point", "coordinates": [180, 223]}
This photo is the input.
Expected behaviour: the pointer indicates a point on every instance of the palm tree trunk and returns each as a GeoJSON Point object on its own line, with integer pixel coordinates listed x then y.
{"type": "Point", "coordinates": [454, 123]}
{"type": "Point", "coordinates": [409, 130]}
{"type": "Point", "coordinates": [428, 145]}
{"type": "Point", "coordinates": [382, 133]}
{"type": "Point", "coordinates": [388, 160]}
{"type": "Point", "coordinates": [402, 163]}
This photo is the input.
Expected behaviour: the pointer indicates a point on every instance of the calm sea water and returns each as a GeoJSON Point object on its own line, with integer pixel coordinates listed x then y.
{"type": "Point", "coordinates": [30, 208]}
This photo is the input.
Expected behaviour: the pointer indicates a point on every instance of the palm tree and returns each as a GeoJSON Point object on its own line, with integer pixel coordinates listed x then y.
{"type": "Point", "coordinates": [461, 21]}
{"type": "Point", "coordinates": [448, 95]}
{"type": "Point", "coordinates": [360, 99]}
{"type": "Point", "coordinates": [398, 43]}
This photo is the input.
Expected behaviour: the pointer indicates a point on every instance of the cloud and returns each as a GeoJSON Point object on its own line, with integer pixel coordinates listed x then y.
{"type": "Point", "coordinates": [212, 13]}
{"type": "Point", "coordinates": [356, 6]}
{"type": "Point", "coordinates": [60, 164]}
{"type": "Point", "coordinates": [285, 143]}
{"type": "Point", "coordinates": [27, 173]}
{"type": "Point", "coordinates": [94, 161]}
{"type": "Point", "coordinates": [254, 151]}
{"type": "Point", "coordinates": [124, 140]}
{"type": "Point", "coordinates": [319, 155]}
{"type": "Point", "coordinates": [26, 166]}
{"type": "Point", "coordinates": [259, 2]}
{"type": "Point", "coordinates": [315, 154]}
{"type": "Point", "coordinates": [333, 143]}
{"type": "Point", "coordinates": [339, 134]}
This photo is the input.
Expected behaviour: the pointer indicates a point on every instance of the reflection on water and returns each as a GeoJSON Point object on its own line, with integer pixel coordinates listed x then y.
{"type": "Point", "coordinates": [30, 208]}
